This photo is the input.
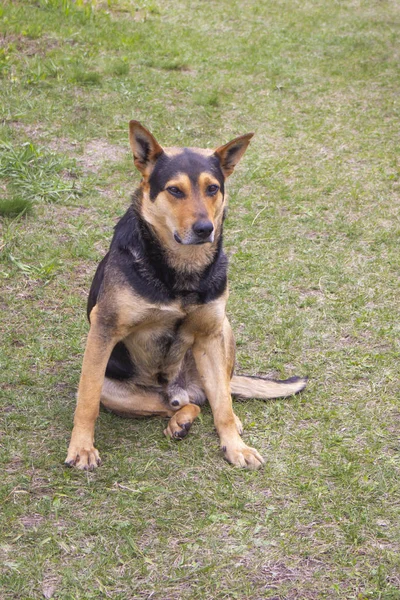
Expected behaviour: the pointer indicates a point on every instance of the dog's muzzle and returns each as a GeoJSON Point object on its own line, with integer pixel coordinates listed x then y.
{"type": "Point", "coordinates": [202, 232]}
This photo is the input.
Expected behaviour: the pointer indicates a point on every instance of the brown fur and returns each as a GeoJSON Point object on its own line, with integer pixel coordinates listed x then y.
{"type": "Point", "coordinates": [180, 347]}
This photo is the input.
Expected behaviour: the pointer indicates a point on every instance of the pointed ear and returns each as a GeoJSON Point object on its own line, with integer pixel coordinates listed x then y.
{"type": "Point", "coordinates": [144, 146]}
{"type": "Point", "coordinates": [230, 154]}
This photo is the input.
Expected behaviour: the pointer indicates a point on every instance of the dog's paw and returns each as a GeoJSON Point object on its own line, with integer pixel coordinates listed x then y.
{"type": "Point", "coordinates": [238, 424]}
{"type": "Point", "coordinates": [181, 422]}
{"type": "Point", "coordinates": [243, 456]}
{"type": "Point", "coordinates": [178, 428]}
{"type": "Point", "coordinates": [177, 431]}
{"type": "Point", "coordinates": [86, 459]}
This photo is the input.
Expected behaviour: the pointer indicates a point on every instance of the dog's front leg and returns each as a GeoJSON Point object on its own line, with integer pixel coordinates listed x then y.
{"type": "Point", "coordinates": [210, 356]}
{"type": "Point", "coordinates": [82, 453]}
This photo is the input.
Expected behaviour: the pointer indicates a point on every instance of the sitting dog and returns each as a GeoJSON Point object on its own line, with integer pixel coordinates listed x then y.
{"type": "Point", "coordinates": [160, 342]}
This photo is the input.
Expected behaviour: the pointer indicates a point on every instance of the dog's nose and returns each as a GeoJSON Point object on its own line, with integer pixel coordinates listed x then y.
{"type": "Point", "coordinates": [203, 228]}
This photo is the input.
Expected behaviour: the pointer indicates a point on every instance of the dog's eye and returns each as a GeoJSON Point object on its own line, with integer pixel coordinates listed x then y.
{"type": "Point", "coordinates": [212, 189]}
{"type": "Point", "coordinates": [175, 191]}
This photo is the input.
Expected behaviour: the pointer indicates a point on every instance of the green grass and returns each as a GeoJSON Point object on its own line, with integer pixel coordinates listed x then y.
{"type": "Point", "coordinates": [313, 235]}
{"type": "Point", "coordinates": [34, 175]}
{"type": "Point", "coordinates": [14, 206]}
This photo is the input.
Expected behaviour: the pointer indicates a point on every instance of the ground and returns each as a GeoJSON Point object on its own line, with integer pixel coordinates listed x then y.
{"type": "Point", "coordinates": [313, 236]}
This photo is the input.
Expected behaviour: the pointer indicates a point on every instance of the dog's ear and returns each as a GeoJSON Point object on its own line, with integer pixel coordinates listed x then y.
{"type": "Point", "coordinates": [144, 146]}
{"type": "Point", "coordinates": [230, 154]}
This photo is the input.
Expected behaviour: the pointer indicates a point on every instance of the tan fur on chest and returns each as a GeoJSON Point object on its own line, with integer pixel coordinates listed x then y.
{"type": "Point", "coordinates": [157, 348]}
{"type": "Point", "coordinates": [159, 343]}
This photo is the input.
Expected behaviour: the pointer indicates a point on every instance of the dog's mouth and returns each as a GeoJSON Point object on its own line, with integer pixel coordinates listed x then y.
{"type": "Point", "coordinates": [194, 240]}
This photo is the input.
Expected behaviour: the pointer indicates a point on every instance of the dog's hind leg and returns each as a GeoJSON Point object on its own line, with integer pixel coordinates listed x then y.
{"type": "Point", "coordinates": [128, 400]}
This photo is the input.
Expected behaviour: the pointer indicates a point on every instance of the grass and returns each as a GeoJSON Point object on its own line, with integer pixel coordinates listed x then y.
{"type": "Point", "coordinates": [14, 206]}
{"type": "Point", "coordinates": [313, 236]}
{"type": "Point", "coordinates": [35, 176]}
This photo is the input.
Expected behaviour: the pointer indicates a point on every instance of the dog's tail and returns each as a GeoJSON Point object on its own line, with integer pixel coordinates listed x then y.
{"type": "Point", "coordinates": [245, 386]}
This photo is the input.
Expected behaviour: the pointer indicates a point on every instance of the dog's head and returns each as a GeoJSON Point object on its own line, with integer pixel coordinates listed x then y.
{"type": "Point", "coordinates": [183, 188]}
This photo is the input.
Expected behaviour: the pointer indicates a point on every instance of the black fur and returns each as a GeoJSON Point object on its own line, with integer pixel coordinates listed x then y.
{"type": "Point", "coordinates": [144, 149]}
{"type": "Point", "coordinates": [229, 161]}
{"type": "Point", "coordinates": [162, 379]}
{"type": "Point", "coordinates": [189, 162]}
{"type": "Point", "coordinates": [120, 365]}
{"type": "Point", "coordinates": [293, 379]}
{"type": "Point", "coordinates": [96, 285]}
{"type": "Point", "coordinates": [136, 253]}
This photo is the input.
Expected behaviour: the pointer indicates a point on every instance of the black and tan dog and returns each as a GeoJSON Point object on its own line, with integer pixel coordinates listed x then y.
{"type": "Point", "coordinates": [159, 341]}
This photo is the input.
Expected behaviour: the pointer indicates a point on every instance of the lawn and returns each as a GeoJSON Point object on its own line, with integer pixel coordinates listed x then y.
{"type": "Point", "coordinates": [313, 236]}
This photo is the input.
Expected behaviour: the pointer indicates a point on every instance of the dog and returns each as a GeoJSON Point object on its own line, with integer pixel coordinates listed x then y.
{"type": "Point", "coordinates": [160, 342]}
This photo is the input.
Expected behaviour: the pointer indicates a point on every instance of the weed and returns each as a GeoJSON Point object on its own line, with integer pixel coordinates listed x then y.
{"type": "Point", "coordinates": [86, 77]}
{"type": "Point", "coordinates": [11, 207]}
{"type": "Point", "coordinates": [34, 174]}
{"type": "Point", "coordinates": [43, 271]}
{"type": "Point", "coordinates": [212, 99]}
{"type": "Point", "coordinates": [119, 68]}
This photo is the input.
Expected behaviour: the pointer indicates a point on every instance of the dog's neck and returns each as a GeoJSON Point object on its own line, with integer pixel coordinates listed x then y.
{"type": "Point", "coordinates": [143, 258]}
